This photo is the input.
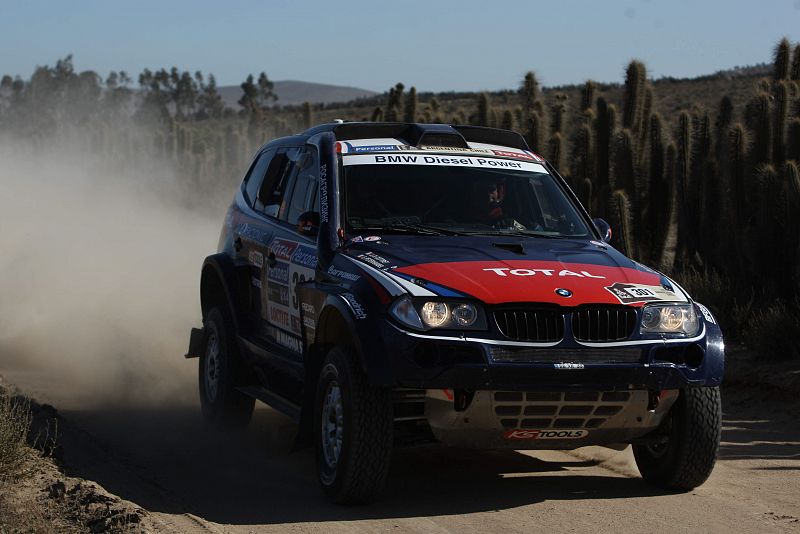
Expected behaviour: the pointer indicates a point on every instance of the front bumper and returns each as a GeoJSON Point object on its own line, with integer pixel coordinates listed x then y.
{"type": "Point", "coordinates": [545, 420]}
{"type": "Point", "coordinates": [425, 361]}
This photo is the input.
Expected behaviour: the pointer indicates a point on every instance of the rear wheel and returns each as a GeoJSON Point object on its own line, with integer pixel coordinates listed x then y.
{"type": "Point", "coordinates": [352, 431]}
{"type": "Point", "coordinates": [686, 457]}
{"type": "Point", "coordinates": [222, 404]}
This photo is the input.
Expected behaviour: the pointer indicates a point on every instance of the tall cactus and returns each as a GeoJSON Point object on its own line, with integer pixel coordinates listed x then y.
{"type": "Point", "coordinates": [587, 95]}
{"type": "Point", "coordinates": [659, 196]}
{"type": "Point", "coordinates": [780, 59]}
{"type": "Point", "coordinates": [759, 121]}
{"type": "Point", "coordinates": [624, 171]}
{"type": "Point", "coordinates": [683, 176]}
{"type": "Point", "coordinates": [484, 108]}
{"type": "Point", "coordinates": [377, 114]}
{"type": "Point", "coordinates": [556, 151]}
{"type": "Point", "coordinates": [635, 81]}
{"type": "Point", "coordinates": [621, 223]}
{"type": "Point", "coordinates": [557, 111]}
{"type": "Point", "coordinates": [507, 122]}
{"type": "Point", "coordinates": [782, 98]}
{"type": "Point", "coordinates": [604, 128]}
{"type": "Point", "coordinates": [410, 110]}
{"type": "Point", "coordinates": [529, 94]}
{"type": "Point", "coordinates": [585, 194]}
{"type": "Point", "coordinates": [794, 71]}
{"type": "Point", "coordinates": [534, 132]}
{"type": "Point", "coordinates": [793, 140]}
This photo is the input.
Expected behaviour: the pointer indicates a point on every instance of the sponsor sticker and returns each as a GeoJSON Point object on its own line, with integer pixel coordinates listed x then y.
{"type": "Point", "coordinates": [344, 275]}
{"type": "Point", "coordinates": [374, 259]}
{"type": "Point", "coordinates": [283, 248]}
{"type": "Point", "coordinates": [454, 149]}
{"type": "Point", "coordinates": [358, 309]}
{"type": "Point", "coordinates": [279, 317]}
{"type": "Point", "coordinates": [357, 239]}
{"type": "Point", "coordinates": [285, 340]}
{"type": "Point", "coordinates": [256, 258]}
{"type": "Point", "coordinates": [372, 238]}
{"type": "Point", "coordinates": [509, 154]}
{"type": "Point", "coordinates": [706, 313]}
{"type": "Point", "coordinates": [545, 434]}
{"type": "Point", "coordinates": [323, 193]}
{"type": "Point", "coordinates": [255, 281]}
{"type": "Point", "coordinates": [449, 161]}
{"type": "Point", "coordinates": [631, 293]}
{"type": "Point", "coordinates": [568, 365]}
{"type": "Point", "coordinates": [277, 294]}
{"type": "Point", "coordinates": [506, 271]}
{"type": "Point", "coordinates": [370, 148]}
{"type": "Point", "coordinates": [305, 256]}
{"type": "Point", "coordinates": [279, 273]}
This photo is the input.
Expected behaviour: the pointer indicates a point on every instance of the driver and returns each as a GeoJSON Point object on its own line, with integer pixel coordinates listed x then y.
{"type": "Point", "coordinates": [496, 193]}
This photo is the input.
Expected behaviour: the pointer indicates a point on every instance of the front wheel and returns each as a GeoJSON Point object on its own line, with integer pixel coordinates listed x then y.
{"type": "Point", "coordinates": [692, 431]}
{"type": "Point", "coordinates": [352, 431]}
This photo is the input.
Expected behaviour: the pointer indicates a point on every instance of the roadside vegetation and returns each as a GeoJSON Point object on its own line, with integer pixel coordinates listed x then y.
{"type": "Point", "coordinates": [698, 177]}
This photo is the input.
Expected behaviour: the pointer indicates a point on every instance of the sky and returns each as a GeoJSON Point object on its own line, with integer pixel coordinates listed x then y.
{"type": "Point", "coordinates": [464, 45]}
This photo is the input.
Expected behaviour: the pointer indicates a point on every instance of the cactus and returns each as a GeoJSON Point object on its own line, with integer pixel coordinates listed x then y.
{"type": "Point", "coordinates": [794, 71]}
{"type": "Point", "coordinates": [759, 121]}
{"type": "Point", "coordinates": [621, 223]}
{"type": "Point", "coordinates": [507, 123]}
{"type": "Point", "coordinates": [410, 110]}
{"type": "Point", "coordinates": [583, 153]}
{"type": "Point", "coordinates": [658, 197]}
{"type": "Point", "coordinates": [635, 82]}
{"type": "Point", "coordinates": [377, 115]}
{"type": "Point", "coordinates": [781, 60]}
{"type": "Point", "coordinates": [793, 140]}
{"type": "Point", "coordinates": [534, 132]}
{"type": "Point", "coordinates": [529, 94]}
{"type": "Point", "coordinates": [557, 111]}
{"type": "Point", "coordinates": [604, 132]}
{"type": "Point", "coordinates": [587, 95]}
{"type": "Point", "coordinates": [781, 115]}
{"type": "Point", "coordinates": [624, 171]}
{"type": "Point", "coordinates": [683, 165]}
{"type": "Point", "coordinates": [585, 194]}
{"type": "Point", "coordinates": [555, 152]}
{"type": "Point", "coordinates": [482, 117]}
{"type": "Point", "coordinates": [738, 144]}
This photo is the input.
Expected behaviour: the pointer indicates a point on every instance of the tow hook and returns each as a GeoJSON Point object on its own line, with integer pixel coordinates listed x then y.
{"type": "Point", "coordinates": [462, 399]}
{"type": "Point", "coordinates": [653, 400]}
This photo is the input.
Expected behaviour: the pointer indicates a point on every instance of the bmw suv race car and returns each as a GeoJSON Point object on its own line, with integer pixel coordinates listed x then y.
{"type": "Point", "coordinates": [391, 283]}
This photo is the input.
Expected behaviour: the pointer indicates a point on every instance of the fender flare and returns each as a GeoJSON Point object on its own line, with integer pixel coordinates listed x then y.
{"type": "Point", "coordinates": [223, 281]}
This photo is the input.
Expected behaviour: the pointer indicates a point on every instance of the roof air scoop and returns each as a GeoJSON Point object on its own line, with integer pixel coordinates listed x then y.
{"type": "Point", "coordinates": [436, 135]}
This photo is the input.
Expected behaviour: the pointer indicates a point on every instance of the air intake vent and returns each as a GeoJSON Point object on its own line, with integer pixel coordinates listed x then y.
{"type": "Point", "coordinates": [603, 323]}
{"type": "Point", "coordinates": [530, 324]}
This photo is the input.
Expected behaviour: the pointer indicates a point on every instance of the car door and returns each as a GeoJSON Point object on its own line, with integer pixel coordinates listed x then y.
{"type": "Point", "coordinates": [292, 257]}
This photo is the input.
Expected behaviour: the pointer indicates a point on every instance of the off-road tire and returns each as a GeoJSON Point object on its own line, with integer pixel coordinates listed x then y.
{"type": "Point", "coordinates": [360, 473]}
{"type": "Point", "coordinates": [223, 406]}
{"type": "Point", "coordinates": [693, 429]}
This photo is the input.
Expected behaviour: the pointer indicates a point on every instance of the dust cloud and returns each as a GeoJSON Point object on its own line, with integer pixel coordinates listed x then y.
{"type": "Point", "coordinates": [99, 276]}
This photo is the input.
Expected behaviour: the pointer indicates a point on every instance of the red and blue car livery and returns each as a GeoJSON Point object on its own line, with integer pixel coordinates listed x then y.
{"type": "Point", "coordinates": [389, 282]}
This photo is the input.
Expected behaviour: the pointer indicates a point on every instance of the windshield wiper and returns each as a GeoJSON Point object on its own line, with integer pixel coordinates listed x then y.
{"type": "Point", "coordinates": [528, 233]}
{"type": "Point", "coordinates": [408, 228]}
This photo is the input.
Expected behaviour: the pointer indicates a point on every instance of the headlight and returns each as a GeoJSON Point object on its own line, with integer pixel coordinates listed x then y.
{"type": "Point", "coordinates": [669, 319]}
{"type": "Point", "coordinates": [424, 315]}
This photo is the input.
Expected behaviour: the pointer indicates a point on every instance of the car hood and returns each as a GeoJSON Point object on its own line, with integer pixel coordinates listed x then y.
{"type": "Point", "coordinates": [512, 269]}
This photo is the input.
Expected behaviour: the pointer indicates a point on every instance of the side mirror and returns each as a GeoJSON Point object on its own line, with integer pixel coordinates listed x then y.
{"type": "Point", "coordinates": [604, 228]}
{"type": "Point", "coordinates": [308, 224]}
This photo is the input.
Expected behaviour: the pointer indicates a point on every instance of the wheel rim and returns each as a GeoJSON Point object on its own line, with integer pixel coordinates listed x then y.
{"type": "Point", "coordinates": [332, 424]}
{"type": "Point", "coordinates": [211, 375]}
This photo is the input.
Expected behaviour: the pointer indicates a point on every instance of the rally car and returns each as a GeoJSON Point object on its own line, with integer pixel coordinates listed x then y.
{"type": "Point", "coordinates": [392, 283]}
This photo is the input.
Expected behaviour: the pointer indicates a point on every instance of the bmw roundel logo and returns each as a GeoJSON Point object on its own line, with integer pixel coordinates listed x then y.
{"type": "Point", "coordinates": [563, 292]}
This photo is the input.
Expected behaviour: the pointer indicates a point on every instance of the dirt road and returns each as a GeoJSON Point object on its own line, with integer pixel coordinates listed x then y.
{"type": "Point", "coordinates": [162, 458]}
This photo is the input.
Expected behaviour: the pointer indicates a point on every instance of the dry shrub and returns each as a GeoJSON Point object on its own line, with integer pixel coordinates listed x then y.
{"type": "Point", "coordinates": [15, 421]}
{"type": "Point", "coordinates": [774, 331]}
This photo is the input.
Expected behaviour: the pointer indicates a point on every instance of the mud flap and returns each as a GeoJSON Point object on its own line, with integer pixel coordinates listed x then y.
{"type": "Point", "coordinates": [197, 343]}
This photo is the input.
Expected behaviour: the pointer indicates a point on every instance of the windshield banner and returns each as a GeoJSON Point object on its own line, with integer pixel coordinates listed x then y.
{"type": "Point", "coordinates": [447, 161]}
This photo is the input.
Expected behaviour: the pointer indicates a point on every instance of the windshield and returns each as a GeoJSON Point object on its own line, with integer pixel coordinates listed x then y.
{"type": "Point", "coordinates": [457, 199]}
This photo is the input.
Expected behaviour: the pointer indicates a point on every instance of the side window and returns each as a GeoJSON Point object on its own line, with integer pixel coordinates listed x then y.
{"type": "Point", "coordinates": [271, 192]}
{"type": "Point", "coordinates": [304, 187]}
{"type": "Point", "coordinates": [256, 175]}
